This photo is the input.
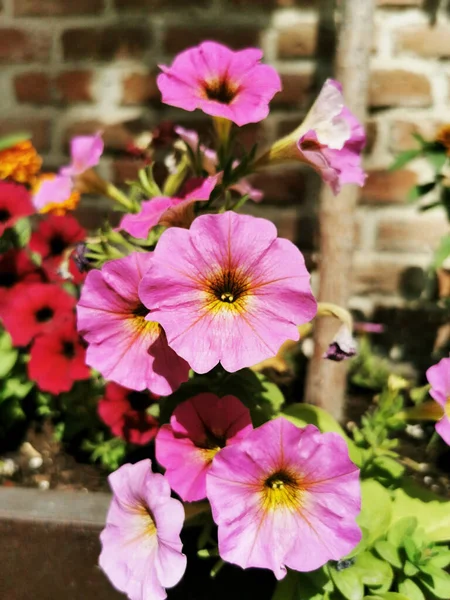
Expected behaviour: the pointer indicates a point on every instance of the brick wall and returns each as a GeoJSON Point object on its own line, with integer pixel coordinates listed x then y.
{"type": "Point", "coordinates": [74, 66]}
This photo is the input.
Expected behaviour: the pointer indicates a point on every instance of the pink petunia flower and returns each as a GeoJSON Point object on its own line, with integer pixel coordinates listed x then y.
{"type": "Point", "coordinates": [285, 497]}
{"type": "Point", "coordinates": [124, 346]}
{"type": "Point", "coordinates": [330, 140]}
{"type": "Point", "coordinates": [220, 82]}
{"type": "Point", "coordinates": [167, 211]}
{"type": "Point", "coordinates": [85, 153]}
{"type": "Point", "coordinates": [125, 413]}
{"type": "Point", "coordinates": [141, 545]}
{"type": "Point", "coordinates": [209, 162]}
{"type": "Point", "coordinates": [439, 378]}
{"type": "Point", "coordinates": [198, 429]}
{"type": "Point", "coordinates": [227, 290]}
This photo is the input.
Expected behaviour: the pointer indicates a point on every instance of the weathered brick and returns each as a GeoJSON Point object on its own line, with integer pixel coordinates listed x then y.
{"type": "Point", "coordinates": [425, 40]}
{"type": "Point", "coordinates": [74, 86]}
{"type": "Point", "coordinates": [402, 133]}
{"type": "Point", "coordinates": [371, 136]}
{"type": "Point", "coordinates": [116, 137]}
{"type": "Point", "coordinates": [139, 88]}
{"type": "Point", "coordinates": [179, 38]}
{"type": "Point", "coordinates": [146, 5]}
{"type": "Point", "coordinates": [17, 45]}
{"type": "Point", "coordinates": [286, 221]}
{"type": "Point", "coordinates": [375, 275]}
{"type": "Point", "coordinates": [52, 8]}
{"type": "Point", "coordinates": [297, 41]}
{"type": "Point", "coordinates": [39, 129]}
{"type": "Point", "coordinates": [385, 187]}
{"type": "Point", "coordinates": [400, 3]}
{"type": "Point", "coordinates": [419, 234]}
{"type": "Point", "coordinates": [105, 43]}
{"type": "Point", "coordinates": [126, 169]}
{"type": "Point", "coordinates": [296, 89]}
{"type": "Point", "coordinates": [34, 88]}
{"type": "Point", "coordinates": [93, 217]}
{"type": "Point", "coordinates": [399, 88]}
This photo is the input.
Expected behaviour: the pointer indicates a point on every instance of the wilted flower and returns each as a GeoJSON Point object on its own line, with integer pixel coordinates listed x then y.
{"type": "Point", "coordinates": [220, 82]}
{"type": "Point", "coordinates": [126, 413]}
{"type": "Point", "coordinates": [285, 497]}
{"type": "Point", "coordinates": [227, 290]}
{"type": "Point", "coordinates": [198, 429]}
{"type": "Point", "coordinates": [141, 546]}
{"type": "Point", "coordinates": [15, 203]}
{"type": "Point", "coordinates": [20, 162]}
{"type": "Point", "coordinates": [439, 378]}
{"type": "Point", "coordinates": [330, 140]}
{"type": "Point", "coordinates": [123, 345]}
{"type": "Point", "coordinates": [343, 346]}
{"type": "Point", "coordinates": [167, 211]}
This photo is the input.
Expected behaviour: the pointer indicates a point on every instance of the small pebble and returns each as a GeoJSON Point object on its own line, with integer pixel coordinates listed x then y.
{"type": "Point", "coordinates": [415, 431]}
{"type": "Point", "coordinates": [435, 488]}
{"type": "Point", "coordinates": [35, 463]}
{"type": "Point", "coordinates": [44, 484]}
{"type": "Point", "coordinates": [7, 467]}
{"type": "Point", "coordinates": [427, 480]}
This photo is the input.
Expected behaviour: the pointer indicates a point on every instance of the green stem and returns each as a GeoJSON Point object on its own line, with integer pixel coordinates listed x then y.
{"type": "Point", "coordinates": [115, 194]}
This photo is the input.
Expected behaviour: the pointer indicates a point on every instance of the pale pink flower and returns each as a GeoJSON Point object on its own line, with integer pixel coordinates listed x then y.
{"type": "Point", "coordinates": [167, 211]}
{"type": "Point", "coordinates": [141, 545]}
{"type": "Point", "coordinates": [209, 162]}
{"type": "Point", "coordinates": [220, 82]}
{"type": "Point", "coordinates": [85, 153]}
{"type": "Point", "coordinates": [285, 497]}
{"type": "Point", "coordinates": [227, 290]}
{"type": "Point", "coordinates": [198, 429]}
{"type": "Point", "coordinates": [124, 345]}
{"type": "Point", "coordinates": [439, 378]}
{"type": "Point", "coordinates": [330, 140]}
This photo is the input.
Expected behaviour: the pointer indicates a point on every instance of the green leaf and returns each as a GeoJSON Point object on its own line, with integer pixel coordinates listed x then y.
{"type": "Point", "coordinates": [348, 582]}
{"type": "Point", "coordinates": [307, 414]}
{"type": "Point", "coordinates": [297, 586]}
{"type": "Point", "coordinates": [438, 581]}
{"type": "Point", "coordinates": [437, 159]}
{"type": "Point", "coordinates": [431, 511]}
{"type": "Point", "coordinates": [390, 466]}
{"type": "Point", "coordinates": [387, 596]}
{"type": "Point", "coordinates": [389, 552]}
{"type": "Point", "coordinates": [411, 590]}
{"type": "Point", "coordinates": [22, 231]}
{"type": "Point", "coordinates": [16, 388]}
{"type": "Point", "coordinates": [421, 190]}
{"type": "Point", "coordinates": [412, 551]}
{"type": "Point", "coordinates": [441, 559]}
{"type": "Point", "coordinates": [8, 355]}
{"type": "Point", "coordinates": [375, 516]}
{"type": "Point", "coordinates": [401, 529]}
{"type": "Point", "coordinates": [8, 141]}
{"type": "Point", "coordinates": [442, 252]}
{"type": "Point", "coordinates": [373, 571]}
{"type": "Point", "coordinates": [404, 158]}
{"type": "Point", "coordinates": [409, 569]}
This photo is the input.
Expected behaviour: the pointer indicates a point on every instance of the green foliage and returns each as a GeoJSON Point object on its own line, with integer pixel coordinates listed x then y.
{"type": "Point", "coordinates": [367, 369]}
{"type": "Point", "coordinates": [110, 453]}
{"type": "Point", "coordinates": [8, 141]}
{"type": "Point", "coordinates": [442, 252]}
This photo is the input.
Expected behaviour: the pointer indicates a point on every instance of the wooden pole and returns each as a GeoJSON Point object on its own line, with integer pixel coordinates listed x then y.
{"type": "Point", "coordinates": [326, 381]}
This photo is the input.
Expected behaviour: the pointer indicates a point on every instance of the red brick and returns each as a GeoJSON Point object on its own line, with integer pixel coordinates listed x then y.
{"type": "Point", "coordinates": [420, 234]}
{"type": "Point", "coordinates": [93, 217]}
{"type": "Point", "coordinates": [116, 137]}
{"type": "Point", "coordinates": [34, 88]}
{"type": "Point", "coordinates": [18, 46]}
{"type": "Point", "coordinates": [286, 221]}
{"type": "Point", "coordinates": [399, 88]}
{"type": "Point", "coordinates": [296, 90]}
{"type": "Point", "coordinates": [384, 187]}
{"type": "Point", "coordinates": [74, 86]}
{"type": "Point", "coordinates": [179, 38]}
{"type": "Point", "coordinates": [38, 128]}
{"type": "Point", "coordinates": [146, 5]}
{"type": "Point", "coordinates": [402, 134]}
{"type": "Point", "coordinates": [51, 8]}
{"type": "Point", "coordinates": [126, 169]}
{"type": "Point", "coordinates": [375, 275]}
{"type": "Point", "coordinates": [284, 186]}
{"type": "Point", "coordinates": [105, 43]}
{"type": "Point", "coordinates": [139, 88]}
{"type": "Point", "coordinates": [429, 41]}
{"type": "Point", "coordinates": [297, 41]}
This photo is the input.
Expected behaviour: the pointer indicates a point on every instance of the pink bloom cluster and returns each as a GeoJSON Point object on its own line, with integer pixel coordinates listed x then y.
{"type": "Point", "coordinates": [439, 378]}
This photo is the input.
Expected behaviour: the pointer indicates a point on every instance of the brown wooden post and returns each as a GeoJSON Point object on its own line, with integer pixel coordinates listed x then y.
{"type": "Point", "coordinates": [326, 381]}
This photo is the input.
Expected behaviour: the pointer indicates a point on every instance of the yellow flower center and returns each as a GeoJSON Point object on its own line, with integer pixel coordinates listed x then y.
{"type": "Point", "coordinates": [282, 489]}
{"type": "Point", "coordinates": [20, 163]}
{"type": "Point", "coordinates": [447, 408]}
{"type": "Point", "coordinates": [149, 524]}
{"type": "Point", "coordinates": [221, 90]}
{"type": "Point", "coordinates": [228, 288]}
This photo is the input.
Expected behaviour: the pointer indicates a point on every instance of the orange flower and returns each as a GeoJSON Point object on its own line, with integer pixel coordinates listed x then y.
{"type": "Point", "coordinates": [55, 208]}
{"type": "Point", "coordinates": [21, 162]}
{"type": "Point", "coordinates": [443, 137]}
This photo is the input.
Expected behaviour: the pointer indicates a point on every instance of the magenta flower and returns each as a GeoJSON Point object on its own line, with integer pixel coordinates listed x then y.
{"type": "Point", "coordinates": [198, 429]}
{"type": "Point", "coordinates": [439, 378]}
{"type": "Point", "coordinates": [85, 153]}
{"type": "Point", "coordinates": [227, 290]}
{"type": "Point", "coordinates": [330, 140]}
{"type": "Point", "coordinates": [209, 162]}
{"type": "Point", "coordinates": [167, 211]}
{"type": "Point", "coordinates": [124, 346]}
{"type": "Point", "coordinates": [220, 82]}
{"type": "Point", "coordinates": [285, 497]}
{"type": "Point", "coordinates": [141, 545]}
{"type": "Point", "coordinates": [53, 191]}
